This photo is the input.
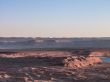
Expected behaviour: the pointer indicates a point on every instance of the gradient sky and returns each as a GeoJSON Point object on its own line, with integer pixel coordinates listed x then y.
{"type": "Point", "coordinates": [55, 18]}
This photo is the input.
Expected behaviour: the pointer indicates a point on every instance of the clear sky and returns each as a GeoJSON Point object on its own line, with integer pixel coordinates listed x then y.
{"type": "Point", "coordinates": [55, 18]}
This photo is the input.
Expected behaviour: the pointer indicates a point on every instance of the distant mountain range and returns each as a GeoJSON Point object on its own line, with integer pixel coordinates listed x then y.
{"type": "Point", "coordinates": [53, 43]}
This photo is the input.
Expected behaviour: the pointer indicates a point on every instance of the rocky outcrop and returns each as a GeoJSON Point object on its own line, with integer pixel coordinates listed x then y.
{"type": "Point", "coordinates": [81, 61]}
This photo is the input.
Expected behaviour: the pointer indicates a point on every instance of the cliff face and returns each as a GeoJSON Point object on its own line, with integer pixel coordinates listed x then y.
{"type": "Point", "coordinates": [80, 61]}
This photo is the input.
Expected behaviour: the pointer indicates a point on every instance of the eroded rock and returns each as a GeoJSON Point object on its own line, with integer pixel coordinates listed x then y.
{"type": "Point", "coordinates": [81, 61]}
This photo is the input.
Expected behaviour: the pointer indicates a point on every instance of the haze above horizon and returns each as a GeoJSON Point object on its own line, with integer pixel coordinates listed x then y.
{"type": "Point", "coordinates": [54, 18]}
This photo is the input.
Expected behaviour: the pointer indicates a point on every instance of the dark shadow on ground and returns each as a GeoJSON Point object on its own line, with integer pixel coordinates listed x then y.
{"type": "Point", "coordinates": [32, 61]}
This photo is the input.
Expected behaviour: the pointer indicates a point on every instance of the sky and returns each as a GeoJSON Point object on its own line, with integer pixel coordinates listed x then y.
{"type": "Point", "coordinates": [54, 18]}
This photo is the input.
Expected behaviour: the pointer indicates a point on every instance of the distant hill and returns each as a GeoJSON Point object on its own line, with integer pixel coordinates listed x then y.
{"type": "Point", "coordinates": [54, 43]}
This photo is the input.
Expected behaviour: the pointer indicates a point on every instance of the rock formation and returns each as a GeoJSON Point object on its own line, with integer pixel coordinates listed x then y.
{"type": "Point", "coordinates": [81, 61]}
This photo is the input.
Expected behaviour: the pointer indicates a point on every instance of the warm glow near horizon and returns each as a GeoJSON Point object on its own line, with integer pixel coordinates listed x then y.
{"type": "Point", "coordinates": [54, 18]}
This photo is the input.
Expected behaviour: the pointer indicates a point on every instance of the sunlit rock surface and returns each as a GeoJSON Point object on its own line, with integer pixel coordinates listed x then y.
{"type": "Point", "coordinates": [81, 61]}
